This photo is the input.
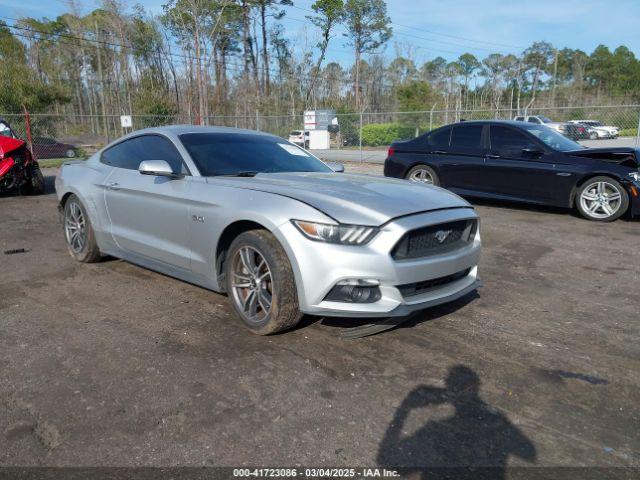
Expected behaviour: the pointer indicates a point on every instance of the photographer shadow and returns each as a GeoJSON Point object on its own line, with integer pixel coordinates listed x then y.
{"type": "Point", "coordinates": [476, 436]}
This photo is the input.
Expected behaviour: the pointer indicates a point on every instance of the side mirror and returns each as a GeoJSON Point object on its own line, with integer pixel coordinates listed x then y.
{"type": "Point", "coordinates": [158, 168]}
{"type": "Point", "coordinates": [335, 166]}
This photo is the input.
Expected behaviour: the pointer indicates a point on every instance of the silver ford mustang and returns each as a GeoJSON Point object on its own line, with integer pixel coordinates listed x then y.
{"type": "Point", "coordinates": [274, 227]}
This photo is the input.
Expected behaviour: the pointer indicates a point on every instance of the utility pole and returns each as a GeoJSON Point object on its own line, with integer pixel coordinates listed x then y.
{"type": "Point", "coordinates": [555, 76]}
{"type": "Point", "coordinates": [104, 112]}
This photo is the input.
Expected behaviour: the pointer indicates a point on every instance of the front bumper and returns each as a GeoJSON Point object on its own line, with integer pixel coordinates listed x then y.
{"type": "Point", "coordinates": [633, 189]}
{"type": "Point", "coordinates": [318, 267]}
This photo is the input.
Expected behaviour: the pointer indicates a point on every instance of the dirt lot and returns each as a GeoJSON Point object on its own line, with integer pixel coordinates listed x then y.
{"type": "Point", "coordinates": [111, 364]}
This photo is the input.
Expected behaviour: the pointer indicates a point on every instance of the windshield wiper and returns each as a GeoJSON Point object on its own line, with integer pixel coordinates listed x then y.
{"type": "Point", "coordinates": [236, 174]}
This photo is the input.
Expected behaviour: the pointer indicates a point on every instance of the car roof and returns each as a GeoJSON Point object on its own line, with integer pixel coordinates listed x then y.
{"type": "Point", "coordinates": [485, 122]}
{"type": "Point", "coordinates": [186, 128]}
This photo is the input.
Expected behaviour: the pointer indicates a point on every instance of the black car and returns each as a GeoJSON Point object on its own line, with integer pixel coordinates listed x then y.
{"type": "Point", "coordinates": [523, 162]}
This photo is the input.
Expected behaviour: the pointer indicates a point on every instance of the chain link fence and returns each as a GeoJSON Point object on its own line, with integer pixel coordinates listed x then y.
{"type": "Point", "coordinates": [69, 136]}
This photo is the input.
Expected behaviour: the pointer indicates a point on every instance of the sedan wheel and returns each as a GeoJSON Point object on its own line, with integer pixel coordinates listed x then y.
{"type": "Point", "coordinates": [423, 174]}
{"type": "Point", "coordinates": [252, 284]}
{"type": "Point", "coordinates": [71, 153]}
{"type": "Point", "coordinates": [260, 283]}
{"type": "Point", "coordinates": [602, 199]}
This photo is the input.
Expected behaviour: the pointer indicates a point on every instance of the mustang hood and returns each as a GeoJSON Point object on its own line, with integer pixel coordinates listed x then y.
{"type": "Point", "coordinates": [356, 199]}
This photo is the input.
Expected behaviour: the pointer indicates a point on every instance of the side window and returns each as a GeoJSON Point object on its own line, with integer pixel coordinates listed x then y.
{"type": "Point", "coordinates": [130, 153]}
{"type": "Point", "coordinates": [519, 119]}
{"type": "Point", "coordinates": [534, 120]}
{"type": "Point", "coordinates": [508, 142]}
{"type": "Point", "coordinates": [466, 137]}
{"type": "Point", "coordinates": [127, 154]}
{"type": "Point", "coordinates": [161, 148]}
{"type": "Point", "coordinates": [440, 138]}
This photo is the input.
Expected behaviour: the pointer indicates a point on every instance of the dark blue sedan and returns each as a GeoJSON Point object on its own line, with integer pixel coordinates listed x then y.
{"type": "Point", "coordinates": [522, 162]}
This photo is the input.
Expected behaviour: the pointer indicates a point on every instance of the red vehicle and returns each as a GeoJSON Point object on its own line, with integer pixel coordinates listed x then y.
{"type": "Point", "coordinates": [19, 171]}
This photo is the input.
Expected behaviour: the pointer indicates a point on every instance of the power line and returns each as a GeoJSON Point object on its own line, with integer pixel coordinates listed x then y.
{"type": "Point", "coordinates": [185, 59]}
{"type": "Point", "coordinates": [434, 33]}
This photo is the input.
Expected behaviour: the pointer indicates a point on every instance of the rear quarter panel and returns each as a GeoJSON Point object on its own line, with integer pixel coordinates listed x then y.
{"type": "Point", "coordinates": [406, 155]}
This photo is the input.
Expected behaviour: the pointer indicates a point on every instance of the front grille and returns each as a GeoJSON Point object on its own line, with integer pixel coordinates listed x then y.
{"type": "Point", "coordinates": [425, 286]}
{"type": "Point", "coordinates": [435, 239]}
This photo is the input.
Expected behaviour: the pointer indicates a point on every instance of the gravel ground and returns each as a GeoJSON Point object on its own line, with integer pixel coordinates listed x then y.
{"type": "Point", "coordinates": [110, 364]}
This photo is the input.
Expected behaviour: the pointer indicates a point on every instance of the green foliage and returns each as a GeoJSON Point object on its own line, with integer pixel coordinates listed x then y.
{"type": "Point", "coordinates": [367, 24]}
{"type": "Point", "coordinates": [415, 96]}
{"type": "Point", "coordinates": [378, 134]}
{"type": "Point", "coordinates": [328, 14]}
{"type": "Point", "coordinates": [18, 83]}
{"type": "Point", "coordinates": [150, 100]}
{"type": "Point", "coordinates": [629, 132]}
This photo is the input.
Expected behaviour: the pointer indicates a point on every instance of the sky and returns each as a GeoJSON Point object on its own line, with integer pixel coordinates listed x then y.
{"type": "Point", "coordinates": [425, 29]}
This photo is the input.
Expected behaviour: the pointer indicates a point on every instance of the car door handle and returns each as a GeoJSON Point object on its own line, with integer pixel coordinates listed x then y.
{"type": "Point", "coordinates": [113, 186]}
{"type": "Point", "coordinates": [490, 155]}
{"type": "Point", "coordinates": [439, 152]}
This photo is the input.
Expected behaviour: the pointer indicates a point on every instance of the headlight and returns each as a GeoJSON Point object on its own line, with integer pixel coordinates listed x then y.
{"type": "Point", "coordinates": [340, 234]}
{"type": "Point", "coordinates": [635, 176]}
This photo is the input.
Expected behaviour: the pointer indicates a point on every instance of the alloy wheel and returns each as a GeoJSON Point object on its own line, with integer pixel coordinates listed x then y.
{"type": "Point", "coordinates": [601, 199]}
{"type": "Point", "coordinates": [75, 227]}
{"type": "Point", "coordinates": [422, 176]}
{"type": "Point", "coordinates": [252, 284]}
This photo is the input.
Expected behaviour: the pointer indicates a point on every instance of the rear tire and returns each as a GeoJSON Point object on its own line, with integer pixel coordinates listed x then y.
{"type": "Point", "coordinates": [81, 240]}
{"type": "Point", "coordinates": [602, 199]}
{"type": "Point", "coordinates": [423, 174]}
{"type": "Point", "coordinates": [260, 283]}
{"type": "Point", "coordinates": [71, 153]}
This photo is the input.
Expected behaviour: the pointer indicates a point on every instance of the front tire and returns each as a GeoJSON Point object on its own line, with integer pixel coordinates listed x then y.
{"type": "Point", "coordinates": [34, 184]}
{"type": "Point", "coordinates": [602, 199]}
{"type": "Point", "coordinates": [78, 232]}
{"type": "Point", "coordinates": [260, 283]}
{"type": "Point", "coordinates": [71, 153]}
{"type": "Point", "coordinates": [423, 174]}
{"type": "Point", "coordinates": [37, 181]}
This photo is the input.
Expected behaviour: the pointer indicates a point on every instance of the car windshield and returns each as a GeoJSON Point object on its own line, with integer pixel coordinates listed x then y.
{"type": "Point", "coordinates": [5, 131]}
{"type": "Point", "coordinates": [552, 138]}
{"type": "Point", "coordinates": [296, 132]}
{"type": "Point", "coordinates": [545, 119]}
{"type": "Point", "coordinates": [234, 153]}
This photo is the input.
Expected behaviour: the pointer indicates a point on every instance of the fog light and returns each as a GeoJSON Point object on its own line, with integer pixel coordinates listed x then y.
{"type": "Point", "coordinates": [355, 291]}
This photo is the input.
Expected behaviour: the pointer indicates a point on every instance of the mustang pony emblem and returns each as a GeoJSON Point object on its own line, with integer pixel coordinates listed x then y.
{"type": "Point", "coordinates": [441, 235]}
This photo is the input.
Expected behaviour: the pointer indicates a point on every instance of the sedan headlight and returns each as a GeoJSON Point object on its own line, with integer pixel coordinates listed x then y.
{"type": "Point", "coordinates": [339, 234]}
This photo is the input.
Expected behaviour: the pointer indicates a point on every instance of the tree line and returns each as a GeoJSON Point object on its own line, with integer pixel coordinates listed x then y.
{"type": "Point", "coordinates": [210, 58]}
